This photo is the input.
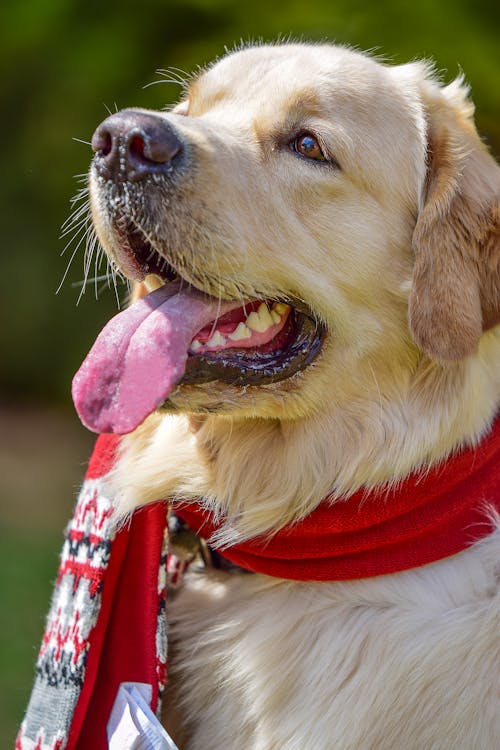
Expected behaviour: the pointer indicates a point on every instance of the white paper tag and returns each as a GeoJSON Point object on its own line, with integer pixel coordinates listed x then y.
{"type": "Point", "coordinates": [132, 725]}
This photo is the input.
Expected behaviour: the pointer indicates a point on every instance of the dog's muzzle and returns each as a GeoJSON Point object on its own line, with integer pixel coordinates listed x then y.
{"type": "Point", "coordinates": [179, 334]}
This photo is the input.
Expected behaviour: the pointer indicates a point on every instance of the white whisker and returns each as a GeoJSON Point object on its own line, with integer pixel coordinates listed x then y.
{"type": "Point", "coordinates": [165, 80]}
{"type": "Point", "coordinates": [77, 220]}
{"type": "Point", "coordinates": [73, 254]}
{"type": "Point", "coordinates": [89, 247]}
{"type": "Point", "coordinates": [97, 265]}
{"type": "Point", "coordinates": [89, 281]}
{"type": "Point", "coordinates": [116, 289]}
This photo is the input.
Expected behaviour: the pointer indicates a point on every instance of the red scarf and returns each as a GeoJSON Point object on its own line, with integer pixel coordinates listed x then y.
{"type": "Point", "coordinates": [427, 516]}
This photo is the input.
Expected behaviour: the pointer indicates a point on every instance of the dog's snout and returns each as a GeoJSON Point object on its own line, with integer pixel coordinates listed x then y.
{"type": "Point", "coordinates": [132, 145]}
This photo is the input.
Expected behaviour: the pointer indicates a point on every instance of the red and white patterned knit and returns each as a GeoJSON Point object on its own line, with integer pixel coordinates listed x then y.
{"type": "Point", "coordinates": [104, 576]}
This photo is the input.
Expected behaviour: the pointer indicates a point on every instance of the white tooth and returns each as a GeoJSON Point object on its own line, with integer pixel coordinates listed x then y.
{"type": "Point", "coordinates": [217, 340]}
{"type": "Point", "coordinates": [195, 345]}
{"type": "Point", "coordinates": [275, 316]}
{"type": "Point", "coordinates": [241, 332]}
{"type": "Point", "coordinates": [260, 321]}
{"type": "Point", "coordinates": [254, 322]}
{"type": "Point", "coordinates": [281, 308]}
{"type": "Point", "coordinates": [153, 281]}
{"type": "Point", "coordinates": [265, 315]}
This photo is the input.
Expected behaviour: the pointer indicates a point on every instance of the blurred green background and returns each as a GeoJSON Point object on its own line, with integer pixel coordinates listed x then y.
{"type": "Point", "coordinates": [64, 63]}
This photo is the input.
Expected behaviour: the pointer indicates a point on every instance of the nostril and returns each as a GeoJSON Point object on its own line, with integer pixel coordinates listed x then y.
{"type": "Point", "coordinates": [107, 144]}
{"type": "Point", "coordinates": [102, 142]}
{"type": "Point", "coordinates": [152, 145]}
{"type": "Point", "coordinates": [136, 146]}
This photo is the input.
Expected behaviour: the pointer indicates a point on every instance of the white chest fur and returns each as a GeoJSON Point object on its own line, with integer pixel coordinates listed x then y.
{"type": "Point", "coordinates": [404, 661]}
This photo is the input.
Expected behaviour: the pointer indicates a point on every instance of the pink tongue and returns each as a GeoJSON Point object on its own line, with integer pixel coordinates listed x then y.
{"type": "Point", "coordinates": [140, 356]}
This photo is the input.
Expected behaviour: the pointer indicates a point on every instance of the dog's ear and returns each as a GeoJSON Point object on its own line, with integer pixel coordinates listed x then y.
{"type": "Point", "coordinates": [455, 294]}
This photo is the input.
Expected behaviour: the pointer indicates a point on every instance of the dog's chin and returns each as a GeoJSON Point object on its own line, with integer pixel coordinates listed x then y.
{"type": "Point", "coordinates": [279, 400]}
{"type": "Point", "coordinates": [220, 399]}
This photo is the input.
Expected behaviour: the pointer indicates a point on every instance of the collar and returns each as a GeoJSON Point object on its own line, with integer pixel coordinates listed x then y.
{"type": "Point", "coordinates": [430, 515]}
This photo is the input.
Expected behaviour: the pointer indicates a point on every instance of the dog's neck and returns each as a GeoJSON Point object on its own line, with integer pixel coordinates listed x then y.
{"type": "Point", "coordinates": [262, 474]}
{"type": "Point", "coordinates": [421, 519]}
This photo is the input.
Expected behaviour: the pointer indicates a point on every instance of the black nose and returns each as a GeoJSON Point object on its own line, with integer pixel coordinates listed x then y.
{"type": "Point", "coordinates": [131, 145]}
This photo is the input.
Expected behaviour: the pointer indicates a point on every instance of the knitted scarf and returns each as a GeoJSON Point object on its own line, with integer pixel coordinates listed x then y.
{"type": "Point", "coordinates": [106, 624]}
{"type": "Point", "coordinates": [106, 579]}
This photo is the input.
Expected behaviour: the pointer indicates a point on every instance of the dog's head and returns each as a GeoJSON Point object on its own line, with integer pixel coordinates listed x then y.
{"type": "Point", "coordinates": [304, 217]}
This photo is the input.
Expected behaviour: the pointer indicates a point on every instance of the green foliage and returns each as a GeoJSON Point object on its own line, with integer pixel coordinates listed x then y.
{"type": "Point", "coordinates": [25, 592]}
{"type": "Point", "coordinates": [64, 60]}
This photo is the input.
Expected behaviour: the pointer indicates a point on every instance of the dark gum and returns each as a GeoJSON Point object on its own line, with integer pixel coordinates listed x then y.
{"type": "Point", "coordinates": [251, 367]}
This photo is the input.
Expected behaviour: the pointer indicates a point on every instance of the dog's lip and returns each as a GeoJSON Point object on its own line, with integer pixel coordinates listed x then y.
{"type": "Point", "coordinates": [287, 353]}
{"type": "Point", "coordinates": [136, 255]}
{"type": "Point", "coordinates": [296, 344]}
{"type": "Point", "coordinates": [290, 352]}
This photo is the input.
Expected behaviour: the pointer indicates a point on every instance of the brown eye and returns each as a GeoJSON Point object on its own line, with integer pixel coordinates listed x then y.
{"type": "Point", "coordinates": [307, 145]}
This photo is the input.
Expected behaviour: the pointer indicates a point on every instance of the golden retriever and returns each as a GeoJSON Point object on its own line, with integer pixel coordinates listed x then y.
{"type": "Point", "coordinates": [352, 209]}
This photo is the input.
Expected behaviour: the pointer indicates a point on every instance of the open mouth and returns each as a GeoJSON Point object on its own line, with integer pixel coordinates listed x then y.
{"type": "Point", "coordinates": [178, 335]}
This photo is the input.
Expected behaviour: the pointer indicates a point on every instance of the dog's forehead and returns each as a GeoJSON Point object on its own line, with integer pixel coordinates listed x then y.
{"type": "Point", "coordinates": [273, 76]}
{"type": "Point", "coordinates": [370, 113]}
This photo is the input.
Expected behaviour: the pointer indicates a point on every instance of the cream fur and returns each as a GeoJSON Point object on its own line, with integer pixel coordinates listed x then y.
{"type": "Point", "coordinates": [406, 661]}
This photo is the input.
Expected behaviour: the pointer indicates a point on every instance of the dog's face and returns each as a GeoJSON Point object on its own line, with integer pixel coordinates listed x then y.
{"type": "Point", "coordinates": [287, 184]}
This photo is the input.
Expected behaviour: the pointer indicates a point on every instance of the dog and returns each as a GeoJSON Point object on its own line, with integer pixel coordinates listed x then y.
{"type": "Point", "coordinates": [317, 234]}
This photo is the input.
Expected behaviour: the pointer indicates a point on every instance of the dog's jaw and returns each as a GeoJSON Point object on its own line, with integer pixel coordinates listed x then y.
{"type": "Point", "coordinates": [178, 335]}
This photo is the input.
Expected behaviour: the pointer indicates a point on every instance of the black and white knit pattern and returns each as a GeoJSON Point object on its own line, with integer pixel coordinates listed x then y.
{"type": "Point", "coordinates": [75, 608]}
